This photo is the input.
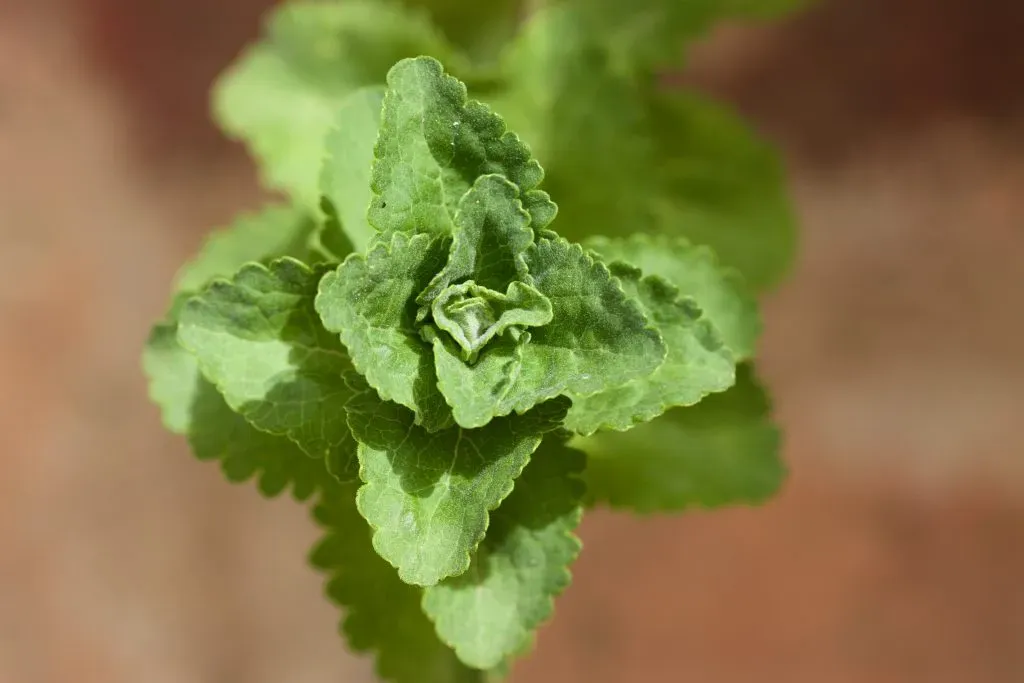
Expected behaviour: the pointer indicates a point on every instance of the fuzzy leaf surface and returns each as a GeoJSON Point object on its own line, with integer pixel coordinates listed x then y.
{"type": "Point", "coordinates": [695, 271]}
{"type": "Point", "coordinates": [491, 612]}
{"type": "Point", "coordinates": [722, 451]}
{"type": "Point", "coordinates": [281, 96]}
{"type": "Point", "coordinates": [173, 372]}
{"type": "Point", "coordinates": [259, 340]}
{"type": "Point", "coordinates": [697, 362]}
{"type": "Point", "coordinates": [428, 495]}
{"type": "Point", "coordinates": [370, 301]}
{"type": "Point", "coordinates": [434, 143]}
{"type": "Point", "coordinates": [597, 339]}
{"type": "Point", "coordinates": [382, 613]}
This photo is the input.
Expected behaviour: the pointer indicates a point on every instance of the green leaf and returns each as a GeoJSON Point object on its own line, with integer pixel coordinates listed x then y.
{"type": "Point", "coordinates": [655, 160]}
{"type": "Point", "coordinates": [329, 243]}
{"type": "Point", "coordinates": [697, 362]}
{"type": "Point", "coordinates": [434, 144]}
{"type": "Point", "coordinates": [427, 496]}
{"type": "Point", "coordinates": [597, 339]}
{"type": "Point", "coordinates": [479, 28]}
{"type": "Point", "coordinates": [259, 340]}
{"type": "Point", "coordinates": [218, 433]}
{"type": "Point", "coordinates": [720, 292]}
{"type": "Point", "coordinates": [370, 301]}
{"type": "Point", "coordinates": [473, 315]}
{"type": "Point", "coordinates": [274, 231]}
{"type": "Point", "coordinates": [491, 233]}
{"type": "Point", "coordinates": [491, 612]}
{"type": "Point", "coordinates": [383, 614]}
{"type": "Point", "coordinates": [172, 371]}
{"type": "Point", "coordinates": [282, 95]}
{"type": "Point", "coordinates": [722, 451]}
{"type": "Point", "coordinates": [173, 375]}
{"type": "Point", "coordinates": [345, 179]}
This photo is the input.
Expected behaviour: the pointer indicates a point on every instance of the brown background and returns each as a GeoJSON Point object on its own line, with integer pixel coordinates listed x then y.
{"type": "Point", "coordinates": [895, 552]}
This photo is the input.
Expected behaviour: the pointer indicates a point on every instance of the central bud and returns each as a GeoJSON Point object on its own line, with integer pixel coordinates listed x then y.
{"type": "Point", "coordinates": [473, 315]}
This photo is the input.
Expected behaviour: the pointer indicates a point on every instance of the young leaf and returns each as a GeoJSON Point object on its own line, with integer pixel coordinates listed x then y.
{"type": "Point", "coordinates": [491, 234]}
{"type": "Point", "coordinates": [697, 363]}
{"type": "Point", "coordinates": [597, 339]}
{"type": "Point", "coordinates": [345, 179]}
{"type": "Point", "coordinates": [172, 371]}
{"type": "Point", "coordinates": [259, 340]}
{"type": "Point", "coordinates": [722, 451]}
{"type": "Point", "coordinates": [371, 302]}
{"type": "Point", "coordinates": [720, 292]}
{"type": "Point", "coordinates": [434, 144]}
{"type": "Point", "coordinates": [383, 614]}
{"type": "Point", "coordinates": [491, 612]}
{"type": "Point", "coordinates": [218, 433]}
{"type": "Point", "coordinates": [427, 496]}
{"type": "Point", "coordinates": [281, 96]}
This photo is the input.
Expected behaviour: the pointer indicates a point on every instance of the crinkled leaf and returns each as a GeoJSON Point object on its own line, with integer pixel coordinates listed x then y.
{"type": "Point", "coordinates": [491, 233]}
{"type": "Point", "coordinates": [281, 96]}
{"type": "Point", "coordinates": [434, 144]}
{"type": "Point", "coordinates": [172, 371]}
{"type": "Point", "coordinates": [722, 451]}
{"type": "Point", "coordinates": [370, 301]}
{"type": "Point", "coordinates": [656, 160]}
{"type": "Point", "coordinates": [719, 291]}
{"type": "Point", "coordinates": [428, 496]}
{"type": "Point", "coordinates": [218, 433]}
{"type": "Point", "coordinates": [259, 340]}
{"type": "Point", "coordinates": [491, 612]}
{"type": "Point", "coordinates": [697, 362]}
{"type": "Point", "coordinates": [345, 179]}
{"type": "Point", "coordinates": [597, 339]}
{"type": "Point", "coordinates": [382, 613]}
{"type": "Point", "coordinates": [473, 315]}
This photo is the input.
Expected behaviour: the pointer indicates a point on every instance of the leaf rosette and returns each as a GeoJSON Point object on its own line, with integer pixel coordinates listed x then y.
{"type": "Point", "coordinates": [468, 309]}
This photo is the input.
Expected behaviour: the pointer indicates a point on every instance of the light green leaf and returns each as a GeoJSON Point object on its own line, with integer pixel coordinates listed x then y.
{"type": "Point", "coordinates": [173, 372]}
{"type": "Point", "coordinates": [427, 496]}
{"type": "Point", "coordinates": [491, 233]}
{"type": "Point", "coordinates": [473, 315]}
{"type": "Point", "coordinates": [697, 362]}
{"type": "Point", "coordinates": [382, 613]}
{"type": "Point", "coordinates": [218, 433]}
{"type": "Point", "coordinates": [281, 97]}
{"type": "Point", "coordinates": [259, 340]}
{"type": "Point", "coordinates": [491, 612]}
{"type": "Point", "coordinates": [274, 231]}
{"type": "Point", "coordinates": [370, 301]}
{"type": "Point", "coordinates": [656, 160]}
{"type": "Point", "coordinates": [173, 375]}
{"type": "Point", "coordinates": [597, 339]}
{"type": "Point", "coordinates": [720, 292]}
{"type": "Point", "coordinates": [345, 179]}
{"type": "Point", "coordinates": [722, 451]}
{"type": "Point", "coordinates": [434, 144]}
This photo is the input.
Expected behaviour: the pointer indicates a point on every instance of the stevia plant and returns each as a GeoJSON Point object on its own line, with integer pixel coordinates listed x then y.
{"type": "Point", "coordinates": [446, 364]}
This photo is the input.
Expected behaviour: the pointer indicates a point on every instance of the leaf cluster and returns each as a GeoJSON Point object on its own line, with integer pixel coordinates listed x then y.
{"type": "Point", "coordinates": [448, 366]}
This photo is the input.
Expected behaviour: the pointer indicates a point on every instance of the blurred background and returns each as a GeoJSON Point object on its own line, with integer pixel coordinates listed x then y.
{"type": "Point", "coordinates": [895, 552]}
